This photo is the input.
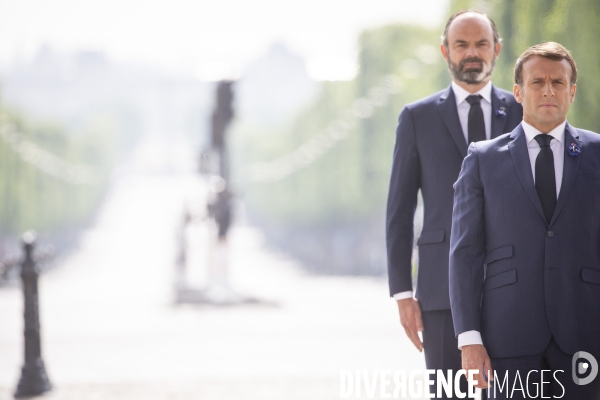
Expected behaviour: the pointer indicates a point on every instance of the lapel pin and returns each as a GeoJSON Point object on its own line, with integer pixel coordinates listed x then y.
{"type": "Point", "coordinates": [574, 150]}
{"type": "Point", "coordinates": [500, 113]}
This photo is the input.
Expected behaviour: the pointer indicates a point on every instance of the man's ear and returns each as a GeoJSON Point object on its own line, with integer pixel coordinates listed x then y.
{"type": "Point", "coordinates": [573, 90]}
{"type": "Point", "coordinates": [498, 47]}
{"type": "Point", "coordinates": [444, 51]}
{"type": "Point", "coordinates": [518, 92]}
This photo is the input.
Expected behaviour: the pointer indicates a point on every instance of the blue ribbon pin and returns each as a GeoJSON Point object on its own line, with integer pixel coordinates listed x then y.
{"type": "Point", "coordinates": [500, 113]}
{"type": "Point", "coordinates": [574, 150]}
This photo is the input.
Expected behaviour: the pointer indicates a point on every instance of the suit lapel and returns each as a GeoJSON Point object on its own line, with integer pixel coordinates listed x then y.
{"type": "Point", "coordinates": [447, 107]}
{"type": "Point", "coordinates": [520, 155]}
{"type": "Point", "coordinates": [498, 121]}
{"type": "Point", "coordinates": [571, 166]}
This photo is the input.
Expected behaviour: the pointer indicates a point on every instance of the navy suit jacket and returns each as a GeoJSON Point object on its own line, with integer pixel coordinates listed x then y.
{"type": "Point", "coordinates": [430, 148]}
{"type": "Point", "coordinates": [514, 277]}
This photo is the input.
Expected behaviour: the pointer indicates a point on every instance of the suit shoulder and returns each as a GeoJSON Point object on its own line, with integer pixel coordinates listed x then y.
{"type": "Point", "coordinates": [590, 149]}
{"type": "Point", "coordinates": [588, 136]}
{"type": "Point", "coordinates": [426, 101]}
{"type": "Point", "coordinates": [493, 145]}
{"type": "Point", "coordinates": [506, 93]}
{"type": "Point", "coordinates": [509, 96]}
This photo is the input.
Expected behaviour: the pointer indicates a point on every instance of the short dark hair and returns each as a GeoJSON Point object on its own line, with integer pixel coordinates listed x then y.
{"type": "Point", "coordinates": [497, 38]}
{"type": "Point", "coordinates": [553, 51]}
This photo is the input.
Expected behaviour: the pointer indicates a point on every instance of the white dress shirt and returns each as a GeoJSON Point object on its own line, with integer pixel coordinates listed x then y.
{"type": "Point", "coordinates": [463, 107]}
{"type": "Point", "coordinates": [558, 150]}
{"type": "Point", "coordinates": [557, 145]}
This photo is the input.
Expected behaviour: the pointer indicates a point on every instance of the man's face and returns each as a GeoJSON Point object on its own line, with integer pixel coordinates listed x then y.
{"type": "Point", "coordinates": [471, 53]}
{"type": "Point", "coordinates": [546, 93]}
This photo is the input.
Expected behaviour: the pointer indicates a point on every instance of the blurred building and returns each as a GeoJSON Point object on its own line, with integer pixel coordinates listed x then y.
{"type": "Point", "coordinates": [275, 87]}
{"type": "Point", "coordinates": [68, 87]}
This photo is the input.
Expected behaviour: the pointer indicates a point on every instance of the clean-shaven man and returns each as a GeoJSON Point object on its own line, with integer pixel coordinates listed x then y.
{"type": "Point", "coordinates": [525, 244]}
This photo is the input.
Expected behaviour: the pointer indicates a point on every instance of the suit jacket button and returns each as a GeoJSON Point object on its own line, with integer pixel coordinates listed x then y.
{"type": "Point", "coordinates": [550, 233]}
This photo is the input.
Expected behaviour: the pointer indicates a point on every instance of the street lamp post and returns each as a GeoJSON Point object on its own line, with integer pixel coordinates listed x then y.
{"type": "Point", "coordinates": [34, 380]}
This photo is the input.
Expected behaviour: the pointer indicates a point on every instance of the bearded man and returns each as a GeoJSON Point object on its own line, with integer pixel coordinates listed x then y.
{"type": "Point", "coordinates": [432, 138]}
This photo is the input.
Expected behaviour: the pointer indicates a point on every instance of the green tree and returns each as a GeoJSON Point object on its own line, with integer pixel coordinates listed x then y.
{"type": "Point", "coordinates": [340, 197]}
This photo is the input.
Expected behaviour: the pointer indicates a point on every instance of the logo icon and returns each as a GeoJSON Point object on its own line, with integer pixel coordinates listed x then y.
{"type": "Point", "coordinates": [581, 367]}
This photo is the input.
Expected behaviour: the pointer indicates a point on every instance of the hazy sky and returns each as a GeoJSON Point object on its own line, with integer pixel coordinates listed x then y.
{"type": "Point", "coordinates": [186, 35]}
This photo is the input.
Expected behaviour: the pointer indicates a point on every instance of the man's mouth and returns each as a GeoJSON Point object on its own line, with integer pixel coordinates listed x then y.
{"type": "Point", "coordinates": [472, 65]}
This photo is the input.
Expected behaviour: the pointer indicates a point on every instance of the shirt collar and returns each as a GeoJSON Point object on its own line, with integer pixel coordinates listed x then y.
{"type": "Point", "coordinates": [461, 94]}
{"type": "Point", "coordinates": [557, 133]}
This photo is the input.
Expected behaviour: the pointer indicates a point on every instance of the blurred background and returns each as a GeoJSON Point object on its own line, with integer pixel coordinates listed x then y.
{"type": "Point", "coordinates": [107, 121]}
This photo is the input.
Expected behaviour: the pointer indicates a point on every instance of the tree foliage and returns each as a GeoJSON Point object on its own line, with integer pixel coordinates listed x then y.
{"type": "Point", "coordinates": [32, 198]}
{"type": "Point", "coordinates": [343, 193]}
{"type": "Point", "coordinates": [574, 24]}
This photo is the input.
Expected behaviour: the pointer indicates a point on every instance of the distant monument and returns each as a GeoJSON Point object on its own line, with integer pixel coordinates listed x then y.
{"type": "Point", "coordinates": [220, 207]}
{"type": "Point", "coordinates": [214, 164]}
{"type": "Point", "coordinates": [221, 117]}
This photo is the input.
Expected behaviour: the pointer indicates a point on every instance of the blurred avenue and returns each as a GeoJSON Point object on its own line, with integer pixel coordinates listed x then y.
{"type": "Point", "coordinates": [111, 328]}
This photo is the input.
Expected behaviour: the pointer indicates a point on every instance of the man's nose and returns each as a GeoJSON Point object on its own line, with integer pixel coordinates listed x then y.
{"type": "Point", "coordinates": [472, 51]}
{"type": "Point", "coordinates": [548, 89]}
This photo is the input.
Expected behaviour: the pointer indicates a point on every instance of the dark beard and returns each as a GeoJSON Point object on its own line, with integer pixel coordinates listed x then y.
{"type": "Point", "coordinates": [472, 76]}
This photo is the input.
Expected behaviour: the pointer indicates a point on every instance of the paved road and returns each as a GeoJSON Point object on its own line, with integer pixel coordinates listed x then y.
{"type": "Point", "coordinates": [112, 331]}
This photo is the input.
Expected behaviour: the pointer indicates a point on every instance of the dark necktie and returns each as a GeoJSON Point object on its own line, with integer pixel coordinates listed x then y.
{"type": "Point", "coordinates": [476, 124]}
{"type": "Point", "coordinates": [545, 180]}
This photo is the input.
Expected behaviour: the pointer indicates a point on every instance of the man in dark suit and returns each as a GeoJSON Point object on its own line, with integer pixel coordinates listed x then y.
{"type": "Point", "coordinates": [525, 243]}
{"type": "Point", "coordinates": [432, 139]}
